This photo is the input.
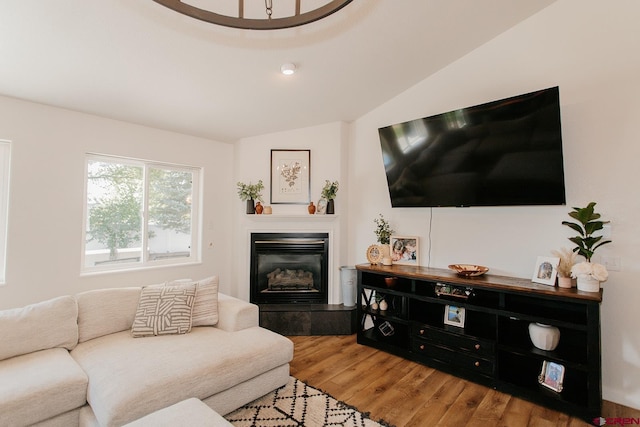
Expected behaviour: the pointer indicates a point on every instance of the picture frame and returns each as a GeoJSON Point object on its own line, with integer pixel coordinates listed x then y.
{"type": "Point", "coordinates": [546, 270]}
{"type": "Point", "coordinates": [552, 375]}
{"type": "Point", "coordinates": [321, 207]}
{"type": "Point", "coordinates": [454, 315]}
{"type": "Point", "coordinates": [404, 250]}
{"type": "Point", "coordinates": [290, 172]}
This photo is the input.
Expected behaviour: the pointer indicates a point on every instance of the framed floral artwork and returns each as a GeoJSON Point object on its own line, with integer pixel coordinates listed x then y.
{"type": "Point", "coordinates": [290, 172]}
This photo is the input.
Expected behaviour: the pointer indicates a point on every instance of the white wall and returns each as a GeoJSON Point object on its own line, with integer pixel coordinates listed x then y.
{"type": "Point", "coordinates": [46, 198]}
{"type": "Point", "coordinates": [253, 158]}
{"type": "Point", "coordinates": [588, 48]}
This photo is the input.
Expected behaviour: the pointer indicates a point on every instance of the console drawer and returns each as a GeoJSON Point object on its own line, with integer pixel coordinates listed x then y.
{"type": "Point", "coordinates": [467, 361]}
{"type": "Point", "coordinates": [481, 347]}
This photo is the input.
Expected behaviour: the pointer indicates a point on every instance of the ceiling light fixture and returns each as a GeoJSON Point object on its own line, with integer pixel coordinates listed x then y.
{"type": "Point", "coordinates": [288, 69]}
{"type": "Point", "coordinates": [293, 19]}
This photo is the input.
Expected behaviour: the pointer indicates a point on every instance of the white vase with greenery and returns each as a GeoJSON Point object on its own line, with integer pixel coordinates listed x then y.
{"type": "Point", "coordinates": [250, 193]}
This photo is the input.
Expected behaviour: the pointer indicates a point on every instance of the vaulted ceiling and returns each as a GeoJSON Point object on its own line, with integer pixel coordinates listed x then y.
{"type": "Point", "coordinates": [141, 62]}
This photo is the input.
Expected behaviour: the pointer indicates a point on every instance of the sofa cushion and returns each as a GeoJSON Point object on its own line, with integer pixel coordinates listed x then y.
{"type": "Point", "coordinates": [164, 310]}
{"type": "Point", "coordinates": [130, 377]}
{"type": "Point", "coordinates": [106, 311]}
{"type": "Point", "coordinates": [205, 310]}
{"type": "Point", "coordinates": [40, 385]}
{"type": "Point", "coordinates": [40, 326]}
{"type": "Point", "coordinates": [191, 412]}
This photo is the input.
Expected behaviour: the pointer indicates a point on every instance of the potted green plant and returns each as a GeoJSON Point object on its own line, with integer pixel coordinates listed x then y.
{"type": "Point", "coordinates": [587, 222]}
{"type": "Point", "coordinates": [250, 193]}
{"type": "Point", "coordinates": [328, 193]}
{"type": "Point", "coordinates": [383, 230]}
{"type": "Point", "coordinates": [383, 234]}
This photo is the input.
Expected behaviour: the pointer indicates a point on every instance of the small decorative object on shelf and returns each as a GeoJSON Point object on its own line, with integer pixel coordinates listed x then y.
{"type": "Point", "coordinates": [567, 259]}
{"type": "Point", "coordinates": [386, 329]}
{"type": "Point", "coordinates": [250, 193]}
{"type": "Point", "coordinates": [383, 230]}
{"type": "Point", "coordinates": [329, 192]}
{"type": "Point", "coordinates": [552, 375]}
{"type": "Point", "coordinates": [454, 316]}
{"type": "Point", "coordinates": [374, 254]}
{"type": "Point", "coordinates": [321, 208]}
{"type": "Point", "coordinates": [259, 208]}
{"type": "Point", "coordinates": [452, 291]}
{"type": "Point", "coordinates": [589, 274]}
{"type": "Point", "coordinates": [267, 210]}
{"type": "Point", "coordinates": [544, 337]}
{"type": "Point", "coordinates": [311, 208]}
{"type": "Point", "coordinates": [469, 270]}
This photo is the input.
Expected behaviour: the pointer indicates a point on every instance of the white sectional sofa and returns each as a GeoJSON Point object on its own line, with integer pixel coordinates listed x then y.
{"type": "Point", "coordinates": [74, 360]}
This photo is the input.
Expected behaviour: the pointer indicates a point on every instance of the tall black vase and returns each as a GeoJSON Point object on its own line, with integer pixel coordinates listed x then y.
{"type": "Point", "coordinates": [251, 207]}
{"type": "Point", "coordinates": [330, 207]}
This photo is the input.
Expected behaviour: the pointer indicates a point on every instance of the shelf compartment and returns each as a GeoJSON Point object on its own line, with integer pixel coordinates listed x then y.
{"type": "Point", "coordinates": [399, 339]}
{"type": "Point", "coordinates": [571, 349]}
{"type": "Point", "coordinates": [477, 323]}
{"type": "Point", "coordinates": [561, 311]}
{"type": "Point", "coordinates": [399, 284]}
{"type": "Point", "coordinates": [523, 371]}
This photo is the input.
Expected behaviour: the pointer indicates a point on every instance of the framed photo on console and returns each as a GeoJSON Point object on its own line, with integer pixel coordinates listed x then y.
{"type": "Point", "coordinates": [290, 172]}
{"type": "Point", "coordinates": [404, 250]}
{"type": "Point", "coordinates": [454, 315]}
{"type": "Point", "coordinates": [546, 270]}
{"type": "Point", "coordinates": [552, 375]}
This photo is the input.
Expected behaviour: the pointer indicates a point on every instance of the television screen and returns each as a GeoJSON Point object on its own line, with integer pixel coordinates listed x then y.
{"type": "Point", "coordinates": [505, 152]}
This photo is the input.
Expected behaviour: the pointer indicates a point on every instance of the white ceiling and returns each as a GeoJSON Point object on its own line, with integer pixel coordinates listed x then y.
{"type": "Point", "coordinates": [138, 61]}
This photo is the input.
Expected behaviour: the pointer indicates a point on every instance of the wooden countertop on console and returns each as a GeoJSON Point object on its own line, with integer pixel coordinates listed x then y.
{"type": "Point", "coordinates": [487, 281]}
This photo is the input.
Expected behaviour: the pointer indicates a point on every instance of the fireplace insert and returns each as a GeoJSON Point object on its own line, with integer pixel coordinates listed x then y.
{"type": "Point", "coordinates": [289, 268]}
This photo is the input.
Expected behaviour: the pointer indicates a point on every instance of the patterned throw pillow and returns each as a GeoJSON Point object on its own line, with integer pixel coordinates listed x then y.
{"type": "Point", "coordinates": [205, 310]}
{"type": "Point", "coordinates": [164, 310]}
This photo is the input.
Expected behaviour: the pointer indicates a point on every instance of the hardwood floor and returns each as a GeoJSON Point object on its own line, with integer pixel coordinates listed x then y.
{"type": "Point", "coordinates": [405, 393]}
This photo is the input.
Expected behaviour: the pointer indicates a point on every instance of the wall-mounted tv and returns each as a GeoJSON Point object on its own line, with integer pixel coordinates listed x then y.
{"type": "Point", "coordinates": [502, 153]}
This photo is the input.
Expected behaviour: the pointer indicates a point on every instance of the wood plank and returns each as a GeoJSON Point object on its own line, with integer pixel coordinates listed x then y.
{"type": "Point", "coordinates": [407, 394]}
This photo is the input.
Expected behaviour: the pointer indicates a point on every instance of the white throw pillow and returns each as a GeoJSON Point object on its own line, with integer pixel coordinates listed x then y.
{"type": "Point", "coordinates": [205, 311]}
{"type": "Point", "coordinates": [164, 310]}
{"type": "Point", "coordinates": [40, 326]}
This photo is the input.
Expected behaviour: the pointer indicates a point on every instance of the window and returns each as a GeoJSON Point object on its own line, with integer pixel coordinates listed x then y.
{"type": "Point", "coordinates": [5, 156]}
{"type": "Point", "coordinates": [139, 214]}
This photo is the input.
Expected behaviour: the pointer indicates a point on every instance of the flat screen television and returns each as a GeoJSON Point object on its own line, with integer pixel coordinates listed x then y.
{"type": "Point", "coordinates": [501, 153]}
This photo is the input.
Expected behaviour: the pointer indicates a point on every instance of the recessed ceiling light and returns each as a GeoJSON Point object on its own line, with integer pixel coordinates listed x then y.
{"type": "Point", "coordinates": [288, 69]}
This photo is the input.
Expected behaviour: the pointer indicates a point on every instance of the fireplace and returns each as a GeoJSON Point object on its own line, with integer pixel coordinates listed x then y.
{"type": "Point", "coordinates": [288, 268]}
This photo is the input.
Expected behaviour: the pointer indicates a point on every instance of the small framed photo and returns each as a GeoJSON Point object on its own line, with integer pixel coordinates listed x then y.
{"type": "Point", "coordinates": [546, 270]}
{"type": "Point", "coordinates": [552, 375]}
{"type": "Point", "coordinates": [454, 315]}
{"type": "Point", "coordinates": [404, 250]}
{"type": "Point", "coordinates": [321, 207]}
{"type": "Point", "coordinates": [290, 172]}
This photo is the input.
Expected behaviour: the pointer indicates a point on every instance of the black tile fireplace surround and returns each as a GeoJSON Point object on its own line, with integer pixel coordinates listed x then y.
{"type": "Point", "coordinates": [289, 268]}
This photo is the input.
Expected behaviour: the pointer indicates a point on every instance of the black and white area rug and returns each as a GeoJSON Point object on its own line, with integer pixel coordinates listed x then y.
{"type": "Point", "coordinates": [298, 404]}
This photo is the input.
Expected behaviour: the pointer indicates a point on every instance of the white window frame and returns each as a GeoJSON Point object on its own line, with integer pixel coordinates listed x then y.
{"type": "Point", "coordinates": [144, 263]}
{"type": "Point", "coordinates": [5, 175]}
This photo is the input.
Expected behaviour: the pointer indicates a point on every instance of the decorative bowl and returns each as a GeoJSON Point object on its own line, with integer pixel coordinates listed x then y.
{"type": "Point", "coordinates": [469, 270]}
{"type": "Point", "coordinates": [390, 281]}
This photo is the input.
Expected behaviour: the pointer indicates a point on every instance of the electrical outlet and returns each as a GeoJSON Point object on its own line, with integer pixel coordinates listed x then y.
{"type": "Point", "coordinates": [612, 263]}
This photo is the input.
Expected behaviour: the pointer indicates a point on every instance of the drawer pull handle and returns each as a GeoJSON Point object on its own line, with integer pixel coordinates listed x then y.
{"type": "Point", "coordinates": [477, 364]}
{"type": "Point", "coordinates": [477, 346]}
{"type": "Point", "coordinates": [421, 346]}
{"type": "Point", "coordinates": [421, 331]}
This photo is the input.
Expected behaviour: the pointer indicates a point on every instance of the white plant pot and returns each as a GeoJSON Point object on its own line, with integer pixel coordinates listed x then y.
{"type": "Point", "coordinates": [545, 337]}
{"type": "Point", "coordinates": [588, 284]}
